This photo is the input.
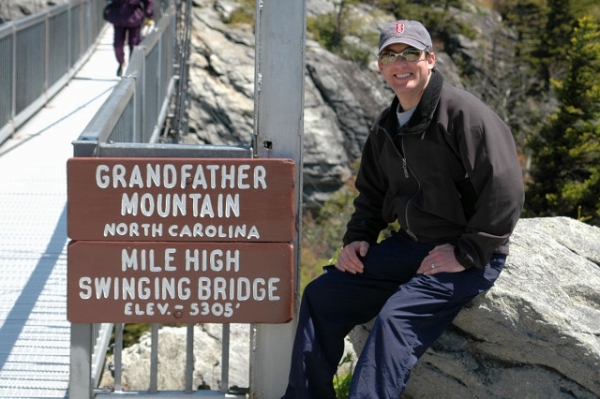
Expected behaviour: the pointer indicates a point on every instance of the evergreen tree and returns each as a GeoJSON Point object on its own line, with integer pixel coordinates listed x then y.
{"type": "Point", "coordinates": [527, 19]}
{"type": "Point", "coordinates": [566, 152]}
{"type": "Point", "coordinates": [554, 43]}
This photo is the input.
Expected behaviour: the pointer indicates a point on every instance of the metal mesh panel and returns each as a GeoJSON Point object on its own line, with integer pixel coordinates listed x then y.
{"type": "Point", "coordinates": [76, 36]}
{"type": "Point", "coordinates": [58, 53]}
{"type": "Point", "coordinates": [122, 130]}
{"type": "Point", "coordinates": [98, 20]}
{"type": "Point", "coordinates": [86, 34]}
{"type": "Point", "coordinates": [36, 52]}
{"type": "Point", "coordinates": [151, 96]}
{"type": "Point", "coordinates": [165, 60]}
{"type": "Point", "coordinates": [31, 61]}
{"type": "Point", "coordinates": [6, 79]}
{"type": "Point", "coordinates": [163, 69]}
{"type": "Point", "coordinates": [139, 116]}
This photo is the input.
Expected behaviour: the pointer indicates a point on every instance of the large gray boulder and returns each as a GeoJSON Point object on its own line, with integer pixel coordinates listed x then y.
{"type": "Point", "coordinates": [535, 334]}
{"type": "Point", "coordinates": [208, 341]}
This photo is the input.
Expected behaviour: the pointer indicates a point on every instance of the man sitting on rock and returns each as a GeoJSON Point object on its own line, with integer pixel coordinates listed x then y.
{"type": "Point", "coordinates": [445, 167]}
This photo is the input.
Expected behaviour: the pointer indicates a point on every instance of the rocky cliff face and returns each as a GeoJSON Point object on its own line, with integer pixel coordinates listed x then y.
{"type": "Point", "coordinates": [341, 99]}
{"type": "Point", "coordinates": [11, 10]}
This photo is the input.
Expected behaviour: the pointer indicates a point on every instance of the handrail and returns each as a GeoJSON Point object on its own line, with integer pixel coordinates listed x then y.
{"type": "Point", "coordinates": [128, 126]}
{"type": "Point", "coordinates": [39, 54]}
{"type": "Point", "coordinates": [139, 102]}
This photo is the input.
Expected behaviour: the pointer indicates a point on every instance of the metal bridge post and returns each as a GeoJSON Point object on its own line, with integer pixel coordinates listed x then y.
{"type": "Point", "coordinates": [278, 132]}
{"type": "Point", "coordinates": [80, 383]}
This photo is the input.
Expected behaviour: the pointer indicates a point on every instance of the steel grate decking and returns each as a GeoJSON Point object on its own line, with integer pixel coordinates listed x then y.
{"type": "Point", "coordinates": [34, 331]}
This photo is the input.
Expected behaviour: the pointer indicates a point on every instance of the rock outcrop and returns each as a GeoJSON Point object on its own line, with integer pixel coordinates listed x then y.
{"type": "Point", "coordinates": [535, 334]}
{"type": "Point", "coordinates": [208, 341]}
{"type": "Point", "coordinates": [12, 10]}
{"type": "Point", "coordinates": [171, 359]}
{"type": "Point", "coordinates": [342, 99]}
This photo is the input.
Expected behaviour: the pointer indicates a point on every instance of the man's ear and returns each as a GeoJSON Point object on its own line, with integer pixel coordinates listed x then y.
{"type": "Point", "coordinates": [431, 60]}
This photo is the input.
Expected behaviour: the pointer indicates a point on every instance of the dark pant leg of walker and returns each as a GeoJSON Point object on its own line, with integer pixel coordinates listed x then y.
{"type": "Point", "coordinates": [119, 43]}
{"type": "Point", "coordinates": [134, 36]}
{"type": "Point", "coordinates": [334, 303]}
{"type": "Point", "coordinates": [410, 322]}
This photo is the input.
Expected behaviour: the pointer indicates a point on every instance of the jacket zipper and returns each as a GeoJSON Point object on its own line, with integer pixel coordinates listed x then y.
{"type": "Point", "coordinates": [401, 154]}
{"type": "Point", "coordinates": [405, 166]}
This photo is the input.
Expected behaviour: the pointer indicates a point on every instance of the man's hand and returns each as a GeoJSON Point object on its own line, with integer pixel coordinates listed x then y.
{"type": "Point", "coordinates": [348, 260]}
{"type": "Point", "coordinates": [441, 259]}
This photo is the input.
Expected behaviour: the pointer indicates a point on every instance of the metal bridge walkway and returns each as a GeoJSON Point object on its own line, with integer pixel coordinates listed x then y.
{"type": "Point", "coordinates": [34, 331]}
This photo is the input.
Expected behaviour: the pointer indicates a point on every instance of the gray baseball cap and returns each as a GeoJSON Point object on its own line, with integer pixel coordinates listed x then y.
{"type": "Point", "coordinates": [408, 32]}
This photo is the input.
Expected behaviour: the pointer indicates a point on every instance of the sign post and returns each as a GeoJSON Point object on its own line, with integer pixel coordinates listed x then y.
{"type": "Point", "coordinates": [279, 131]}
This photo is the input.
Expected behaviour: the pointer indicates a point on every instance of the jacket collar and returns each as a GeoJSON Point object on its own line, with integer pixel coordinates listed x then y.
{"type": "Point", "coordinates": [423, 114]}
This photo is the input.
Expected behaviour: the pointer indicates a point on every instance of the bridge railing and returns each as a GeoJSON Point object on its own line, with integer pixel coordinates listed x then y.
{"type": "Point", "coordinates": [129, 124]}
{"type": "Point", "coordinates": [136, 109]}
{"type": "Point", "coordinates": [39, 54]}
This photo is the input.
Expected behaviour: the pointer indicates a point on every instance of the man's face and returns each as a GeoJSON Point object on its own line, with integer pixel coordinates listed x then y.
{"type": "Point", "coordinates": [407, 78]}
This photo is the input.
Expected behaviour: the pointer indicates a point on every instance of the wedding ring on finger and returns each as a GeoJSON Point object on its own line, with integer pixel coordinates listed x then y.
{"type": "Point", "coordinates": [433, 265]}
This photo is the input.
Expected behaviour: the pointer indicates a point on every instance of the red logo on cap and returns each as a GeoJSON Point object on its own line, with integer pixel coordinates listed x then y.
{"type": "Point", "coordinates": [399, 27]}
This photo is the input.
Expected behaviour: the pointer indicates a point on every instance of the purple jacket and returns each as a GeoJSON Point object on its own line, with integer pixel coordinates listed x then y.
{"type": "Point", "coordinates": [129, 13]}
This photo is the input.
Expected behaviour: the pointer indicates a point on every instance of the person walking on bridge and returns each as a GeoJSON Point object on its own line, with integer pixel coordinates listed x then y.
{"type": "Point", "coordinates": [444, 166]}
{"type": "Point", "coordinates": [127, 17]}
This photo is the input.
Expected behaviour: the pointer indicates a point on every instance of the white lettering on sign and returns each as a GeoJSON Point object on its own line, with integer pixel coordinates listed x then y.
{"type": "Point", "coordinates": [239, 289]}
{"type": "Point", "coordinates": [148, 309]}
{"type": "Point", "coordinates": [156, 230]}
{"type": "Point", "coordinates": [165, 205]}
{"type": "Point", "coordinates": [170, 176]}
{"type": "Point", "coordinates": [164, 288]}
{"type": "Point", "coordinates": [158, 288]}
{"type": "Point", "coordinates": [150, 282]}
{"type": "Point", "coordinates": [216, 260]}
{"type": "Point", "coordinates": [130, 260]}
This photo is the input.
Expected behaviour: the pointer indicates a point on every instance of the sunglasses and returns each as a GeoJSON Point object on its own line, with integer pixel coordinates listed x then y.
{"type": "Point", "coordinates": [409, 54]}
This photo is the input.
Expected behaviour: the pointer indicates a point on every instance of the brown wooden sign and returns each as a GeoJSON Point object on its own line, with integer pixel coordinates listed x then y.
{"type": "Point", "coordinates": [140, 282]}
{"type": "Point", "coordinates": [160, 199]}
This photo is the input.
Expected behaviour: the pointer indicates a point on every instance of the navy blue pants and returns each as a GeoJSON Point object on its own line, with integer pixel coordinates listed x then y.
{"type": "Point", "coordinates": [412, 312]}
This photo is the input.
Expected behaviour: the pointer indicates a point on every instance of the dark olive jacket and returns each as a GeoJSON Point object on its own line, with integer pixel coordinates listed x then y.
{"type": "Point", "coordinates": [450, 175]}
